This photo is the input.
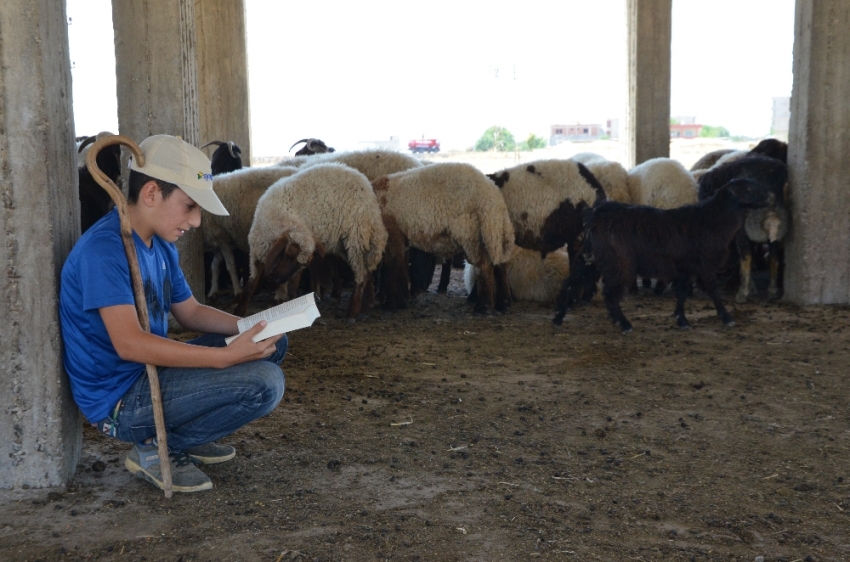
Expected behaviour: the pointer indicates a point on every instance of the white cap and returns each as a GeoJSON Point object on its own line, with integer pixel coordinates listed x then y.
{"type": "Point", "coordinates": [172, 159]}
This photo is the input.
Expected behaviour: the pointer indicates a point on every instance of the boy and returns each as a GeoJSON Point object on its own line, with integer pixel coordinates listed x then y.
{"type": "Point", "coordinates": [209, 390]}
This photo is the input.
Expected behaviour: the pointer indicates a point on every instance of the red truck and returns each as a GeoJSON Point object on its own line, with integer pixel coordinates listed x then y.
{"type": "Point", "coordinates": [424, 145]}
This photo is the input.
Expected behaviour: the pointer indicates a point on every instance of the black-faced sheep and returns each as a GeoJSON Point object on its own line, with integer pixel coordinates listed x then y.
{"type": "Point", "coordinates": [226, 158]}
{"type": "Point", "coordinates": [239, 191]}
{"type": "Point", "coordinates": [94, 200]}
{"type": "Point", "coordinates": [324, 208]}
{"type": "Point", "coordinates": [546, 200]}
{"type": "Point", "coordinates": [444, 209]}
{"type": "Point", "coordinates": [681, 243]}
{"type": "Point", "coordinates": [766, 225]}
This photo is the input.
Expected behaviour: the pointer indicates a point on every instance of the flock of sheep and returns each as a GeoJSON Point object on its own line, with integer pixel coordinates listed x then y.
{"type": "Point", "coordinates": [548, 230]}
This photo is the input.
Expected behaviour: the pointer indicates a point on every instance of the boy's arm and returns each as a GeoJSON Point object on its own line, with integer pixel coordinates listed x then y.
{"type": "Point", "coordinates": [197, 317]}
{"type": "Point", "coordinates": [134, 344]}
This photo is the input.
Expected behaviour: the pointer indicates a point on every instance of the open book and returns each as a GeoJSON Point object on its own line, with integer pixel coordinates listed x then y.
{"type": "Point", "coordinates": [286, 317]}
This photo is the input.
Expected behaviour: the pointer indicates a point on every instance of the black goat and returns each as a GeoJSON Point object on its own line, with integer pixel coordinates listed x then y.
{"type": "Point", "coordinates": [312, 146]}
{"type": "Point", "coordinates": [624, 241]}
{"type": "Point", "coordinates": [226, 158]}
{"type": "Point", "coordinates": [95, 202]}
{"type": "Point", "coordinates": [762, 226]}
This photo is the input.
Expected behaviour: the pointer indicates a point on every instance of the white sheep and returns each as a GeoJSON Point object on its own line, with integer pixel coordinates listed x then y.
{"type": "Point", "coordinates": [612, 175]}
{"type": "Point", "coordinates": [372, 163]}
{"type": "Point", "coordinates": [530, 277]}
{"type": "Point", "coordinates": [662, 183]}
{"type": "Point", "coordinates": [444, 209]}
{"type": "Point", "coordinates": [324, 208]}
{"type": "Point", "coordinates": [239, 192]}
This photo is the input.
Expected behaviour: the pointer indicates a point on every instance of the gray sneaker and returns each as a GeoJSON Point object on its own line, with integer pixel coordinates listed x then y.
{"type": "Point", "coordinates": [143, 461]}
{"type": "Point", "coordinates": [211, 453]}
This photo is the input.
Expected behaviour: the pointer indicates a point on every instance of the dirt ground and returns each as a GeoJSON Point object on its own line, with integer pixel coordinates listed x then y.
{"type": "Point", "coordinates": [433, 434]}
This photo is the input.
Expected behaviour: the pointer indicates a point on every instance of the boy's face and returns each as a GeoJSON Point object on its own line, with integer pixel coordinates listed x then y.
{"type": "Point", "coordinates": [175, 214]}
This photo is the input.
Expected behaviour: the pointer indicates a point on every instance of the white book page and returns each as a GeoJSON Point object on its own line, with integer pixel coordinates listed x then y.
{"type": "Point", "coordinates": [286, 317]}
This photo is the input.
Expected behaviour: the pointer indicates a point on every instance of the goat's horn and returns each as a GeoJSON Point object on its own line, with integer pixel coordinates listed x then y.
{"type": "Point", "coordinates": [87, 141]}
{"type": "Point", "coordinates": [233, 149]}
{"type": "Point", "coordinates": [297, 142]}
{"type": "Point", "coordinates": [215, 142]}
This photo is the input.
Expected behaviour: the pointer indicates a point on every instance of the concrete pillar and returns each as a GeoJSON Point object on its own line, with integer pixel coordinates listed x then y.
{"type": "Point", "coordinates": [817, 253]}
{"type": "Point", "coordinates": [40, 427]}
{"type": "Point", "coordinates": [155, 58]}
{"type": "Point", "coordinates": [648, 119]}
{"type": "Point", "coordinates": [223, 74]}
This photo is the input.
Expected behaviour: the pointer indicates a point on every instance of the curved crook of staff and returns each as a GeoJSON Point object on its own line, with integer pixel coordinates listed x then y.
{"type": "Point", "coordinates": [138, 289]}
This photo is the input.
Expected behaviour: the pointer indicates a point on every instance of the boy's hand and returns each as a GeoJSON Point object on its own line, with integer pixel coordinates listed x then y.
{"type": "Point", "coordinates": [243, 349]}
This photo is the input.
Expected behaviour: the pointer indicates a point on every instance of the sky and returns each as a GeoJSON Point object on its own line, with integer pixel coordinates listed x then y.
{"type": "Point", "coordinates": [351, 71]}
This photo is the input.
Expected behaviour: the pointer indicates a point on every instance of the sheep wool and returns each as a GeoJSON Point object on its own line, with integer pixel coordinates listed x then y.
{"type": "Point", "coordinates": [239, 192]}
{"type": "Point", "coordinates": [662, 183]}
{"type": "Point", "coordinates": [530, 277]}
{"type": "Point", "coordinates": [330, 204]}
{"type": "Point", "coordinates": [371, 163]}
{"type": "Point", "coordinates": [612, 175]}
{"type": "Point", "coordinates": [535, 190]}
{"type": "Point", "coordinates": [447, 208]}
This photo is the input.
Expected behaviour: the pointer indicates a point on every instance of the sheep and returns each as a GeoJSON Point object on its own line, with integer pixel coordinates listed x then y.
{"type": "Point", "coordinates": [706, 161]}
{"type": "Point", "coordinates": [531, 278]}
{"type": "Point", "coordinates": [610, 174]}
{"type": "Point", "coordinates": [443, 209]}
{"type": "Point", "coordinates": [372, 163]}
{"type": "Point", "coordinates": [226, 158]}
{"type": "Point", "coordinates": [324, 208]}
{"type": "Point", "coordinates": [312, 146]}
{"type": "Point", "coordinates": [768, 225]}
{"type": "Point", "coordinates": [546, 200]}
{"type": "Point", "coordinates": [662, 183]}
{"type": "Point", "coordinates": [95, 202]}
{"type": "Point", "coordinates": [625, 241]}
{"type": "Point", "coordinates": [239, 192]}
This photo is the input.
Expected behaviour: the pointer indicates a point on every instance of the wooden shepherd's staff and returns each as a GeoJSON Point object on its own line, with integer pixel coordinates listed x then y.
{"type": "Point", "coordinates": [136, 275]}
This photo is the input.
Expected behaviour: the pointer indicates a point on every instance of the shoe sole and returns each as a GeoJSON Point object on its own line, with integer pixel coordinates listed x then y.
{"type": "Point", "coordinates": [212, 460]}
{"type": "Point", "coordinates": [137, 470]}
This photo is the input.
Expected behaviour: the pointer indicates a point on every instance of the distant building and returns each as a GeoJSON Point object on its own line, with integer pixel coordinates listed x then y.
{"type": "Point", "coordinates": [684, 130]}
{"type": "Point", "coordinates": [394, 143]}
{"type": "Point", "coordinates": [574, 132]}
{"type": "Point", "coordinates": [612, 129]}
{"type": "Point", "coordinates": [781, 118]}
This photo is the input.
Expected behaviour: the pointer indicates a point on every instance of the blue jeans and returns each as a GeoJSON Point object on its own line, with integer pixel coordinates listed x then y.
{"type": "Point", "coordinates": [202, 404]}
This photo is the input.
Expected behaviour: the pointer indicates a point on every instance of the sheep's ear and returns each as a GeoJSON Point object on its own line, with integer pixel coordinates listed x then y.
{"type": "Point", "coordinates": [276, 253]}
{"type": "Point", "coordinates": [320, 250]}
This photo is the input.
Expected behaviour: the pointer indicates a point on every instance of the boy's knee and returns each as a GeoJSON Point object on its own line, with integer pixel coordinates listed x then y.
{"type": "Point", "coordinates": [272, 380]}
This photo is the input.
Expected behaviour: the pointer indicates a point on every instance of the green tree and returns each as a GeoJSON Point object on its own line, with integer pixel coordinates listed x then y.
{"type": "Point", "coordinates": [496, 138]}
{"type": "Point", "coordinates": [710, 131]}
{"type": "Point", "coordinates": [532, 142]}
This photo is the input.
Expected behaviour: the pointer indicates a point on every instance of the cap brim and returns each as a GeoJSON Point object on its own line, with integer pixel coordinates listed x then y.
{"type": "Point", "coordinates": [206, 198]}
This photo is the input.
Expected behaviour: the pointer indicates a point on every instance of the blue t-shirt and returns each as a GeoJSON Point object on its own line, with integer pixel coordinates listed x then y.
{"type": "Point", "coordinates": [96, 275]}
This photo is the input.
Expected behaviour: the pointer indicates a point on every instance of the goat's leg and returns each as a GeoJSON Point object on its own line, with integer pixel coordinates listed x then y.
{"type": "Point", "coordinates": [613, 293]}
{"type": "Point", "coordinates": [773, 260]}
{"type": "Point", "coordinates": [485, 288]}
{"type": "Point", "coordinates": [711, 288]}
{"type": "Point", "coordinates": [582, 275]}
{"type": "Point", "coordinates": [746, 266]}
{"type": "Point", "coordinates": [445, 277]}
{"type": "Point", "coordinates": [680, 288]}
{"type": "Point", "coordinates": [214, 271]}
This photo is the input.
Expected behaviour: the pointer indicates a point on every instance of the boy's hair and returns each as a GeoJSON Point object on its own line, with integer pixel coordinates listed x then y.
{"type": "Point", "coordinates": [138, 179]}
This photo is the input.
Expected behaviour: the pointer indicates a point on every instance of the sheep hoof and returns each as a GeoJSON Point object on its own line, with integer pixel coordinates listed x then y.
{"type": "Point", "coordinates": [741, 298]}
{"type": "Point", "coordinates": [729, 323]}
{"type": "Point", "coordinates": [627, 330]}
{"type": "Point", "coordinates": [558, 319]}
{"type": "Point", "coordinates": [682, 323]}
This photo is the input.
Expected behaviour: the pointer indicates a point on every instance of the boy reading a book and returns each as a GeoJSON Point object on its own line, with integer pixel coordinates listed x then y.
{"type": "Point", "coordinates": [209, 390]}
